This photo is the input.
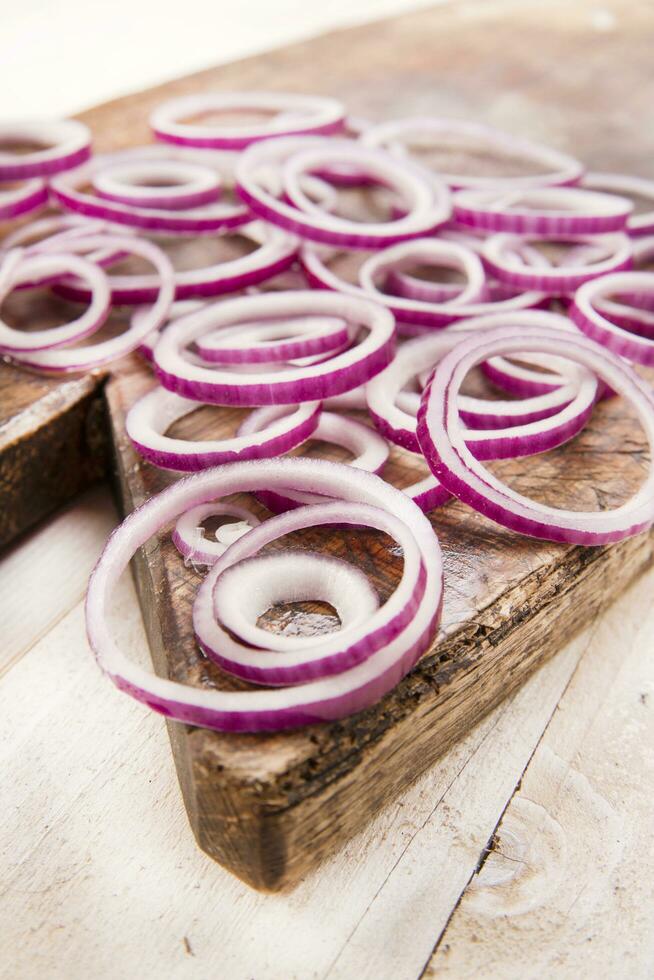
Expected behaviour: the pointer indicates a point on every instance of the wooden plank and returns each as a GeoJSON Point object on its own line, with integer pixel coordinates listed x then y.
{"type": "Point", "coordinates": [47, 572]}
{"type": "Point", "coordinates": [508, 601]}
{"type": "Point", "coordinates": [299, 794]}
{"type": "Point", "coordinates": [566, 888]}
{"type": "Point", "coordinates": [88, 783]}
{"type": "Point", "coordinates": [52, 445]}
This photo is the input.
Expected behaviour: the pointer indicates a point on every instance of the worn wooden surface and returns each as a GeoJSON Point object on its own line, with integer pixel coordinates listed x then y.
{"type": "Point", "coordinates": [52, 445]}
{"type": "Point", "coordinates": [101, 876]}
{"type": "Point", "coordinates": [268, 807]}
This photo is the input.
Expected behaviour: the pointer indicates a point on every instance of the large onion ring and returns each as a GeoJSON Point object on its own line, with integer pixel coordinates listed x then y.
{"type": "Point", "coordinates": [295, 115]}
{"type": "Point", "coordinates": [442, 439]}
{"type": "Point", "coordinates": [289, 385]}
{"type": "Point", "coordinates": [149, 418]}
{"type": "Point", "coordinates": [427, 200]}
{"type": "Point", "coordinates": [326, 699]}
{"type": "Point", "coordinates": [67, 144]}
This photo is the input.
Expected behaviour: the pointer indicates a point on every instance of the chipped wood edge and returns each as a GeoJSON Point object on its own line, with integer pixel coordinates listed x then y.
{"type": "Point", "coordinates": [51, 451]}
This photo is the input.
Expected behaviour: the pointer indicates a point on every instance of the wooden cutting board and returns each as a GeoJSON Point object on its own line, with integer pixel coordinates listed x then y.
{"type": "Point", "coordinates": [269, 806]}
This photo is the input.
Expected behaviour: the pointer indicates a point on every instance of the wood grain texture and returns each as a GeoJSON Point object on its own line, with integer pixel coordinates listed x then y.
{"type": "Point", "coordinates": [561, 875]}
{"type": "Point", "coordinates": [270, 806]}
{"type": "Point", "coordinates": [94, 840]}
{"type": "Point", "coordinates": [52, 445]}
{"type": "Point", "coordinates": [47, 572]}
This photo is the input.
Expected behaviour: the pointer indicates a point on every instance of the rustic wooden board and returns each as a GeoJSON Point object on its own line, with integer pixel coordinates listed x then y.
{"type": "Point", "coordinates": [269, 806]}
{"type": "Point", "coordinates": [52, 444]}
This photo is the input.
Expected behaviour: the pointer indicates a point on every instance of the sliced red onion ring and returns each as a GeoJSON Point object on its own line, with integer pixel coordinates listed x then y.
{"type": "Point", "coordinates": [21, 267]}
{"type": "Point", "coordinates": [347, 370]}
{"type": "Point", "coordinates": [501, 257]}
{"type": "Point", "coordinates": [504, 429]}
{"type": "Point", "coordinates": [150, 418]}
{"type": "Point", "coordinates": [421, 313]}
{"type": "Point", "coordinates": [275, 252]}
{"type": "Point", "coordinates": [325, 699]}
{"type": "Point", "coordinates": [347, 175]}
{"type": "Point", "coordinates": [276, 340]}
{"type": "Point", "coordinates": [427, 201]}
{"type": "Point", "coordinates": [628, 186]}
{"type": "Point", "coordinates": [178, 309]}
{"type": "Point", "coordinates": [191, 541]}
{"type": "Point", "coordinates": [523, 381]}
{"type": "Point", "coordinates": [87, 358]}
{"type": "Point", "coordinates": [293, 115]}
{"type": "Point", "coordinates": [319, 191]}
{"type": "Point", "coordinates": [50, 236]}
{"type": "Point", "coordinates": [428, 494]}
{"type": "Point", "coordinates": [443, 439]}
{"type": "Point", "coordinates": [369, 455]}
{"type": "Point", "coordinates": [349, 401]}
{"type": "Point", "coordinates": [64, 144]}
{"type": "Point", "coordinates": [169, 184]}
{"type": "Point", "coordinates": [412, 287]}
{"type": "Point", "coordinates": [401, 134]}
{"type": "Point", "coordinates": [206, 220]}
{"type": "Point", "coordinates": [245, 591]}
{"type": "Point", "coordinates": [600, 327]}
{"type": "Point", "coordinates": [46, 233]}
{"type": "Point", "coordinates": [542, 210]}
{"type": "Point", "coordinates": [370, 451]}
{"type": "Point", "coordinates": [16, 201]}
{"type": "Point", "coordinates": [325, 654]}
{"type": "Point", "coordinates": [432, 251]}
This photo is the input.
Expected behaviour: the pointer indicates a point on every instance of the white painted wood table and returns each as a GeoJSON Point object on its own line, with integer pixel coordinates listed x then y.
{"type": "Point", "coordinates": [526, 852]}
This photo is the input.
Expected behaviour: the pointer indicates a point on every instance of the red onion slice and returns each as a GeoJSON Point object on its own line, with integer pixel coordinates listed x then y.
{"type": "Point", "coordinates": [347, 175]}
{"type": "Point", "coordinates": [412, 312]}
{"type": "Point", "coordinates": [17, 201]}
{"type": "Point", "coordinates": [205, 220]}
{"type": "Point", "coordinates": [427, 202]}
{"type": "Point", "coordinates": [67, 144]}
{"type": "Point", "coordinates": [628, 186]}
{"type": "Point", "coordinates": [45, 234]}
{"type": "Point", "coordinates": [293, 115]}
{"type": "Point", "coordinates": [547, 211]}
{"type": "Point", "coordinates": [428, 494]}
{"type": "Point", "coordinates": [169, 184]}
{"type": "Point", "coordinates": [275, 252]}
{"type": "Point", "coordinates": [401, 135]}
{"type": "Point", "coordinates": [505, 429]}
{"type": "Point", "coordinates": [346, 370]}
{"type": "Point", "coordinates": [69, 360]}
{"type": "Point", "coordinates": [191, 541]}
{"type": "Point", "coordinates": [255, 710]}
{"type": "Point", "coordinates": [442, 439]}
{"type": "Point", "coordinates": [412, 287]}
{"type": "Point", "coordinates": [370, 451]}
{"type": "Point", "coordinates": [245, 591]}
{"type": "Point", "coordinates": [617, 338]}
{"type": "Point", "coordinates": [501, 257]}
{"type": "Point", "coordinates": [19, 267]}
{"type": "Point", "coordinates": [149, 419]}
{"type": "Point", "coordinates": [524, 382]}
{"type": "Point", "coordinates": [280, 662]}
{"type": "Point", "coordinates": [276, 340]}
{"type": "Point", "coordinates": [177, 310]}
